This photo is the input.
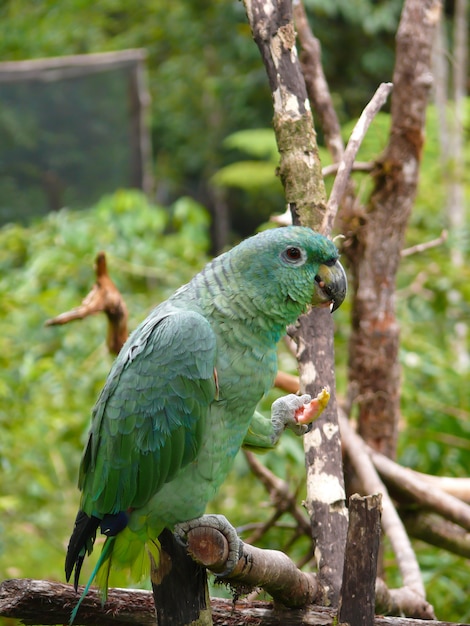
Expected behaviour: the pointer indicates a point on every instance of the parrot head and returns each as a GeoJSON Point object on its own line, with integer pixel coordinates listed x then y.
{"type": "Point", "coordinates": [296, 263]}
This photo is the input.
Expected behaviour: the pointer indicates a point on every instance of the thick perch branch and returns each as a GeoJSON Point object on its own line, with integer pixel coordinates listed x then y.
{"type": "Point", "coordinates": [272, 570]}
{"type": "Point", "coordinates": [47, 603]}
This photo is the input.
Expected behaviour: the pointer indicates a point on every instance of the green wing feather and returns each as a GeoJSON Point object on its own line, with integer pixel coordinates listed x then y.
{"type": "Point", "coordinates": [148, 420]}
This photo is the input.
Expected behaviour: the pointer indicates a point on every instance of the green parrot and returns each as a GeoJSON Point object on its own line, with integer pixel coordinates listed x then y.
{"type": "Point", "coordinates": [180, 399]}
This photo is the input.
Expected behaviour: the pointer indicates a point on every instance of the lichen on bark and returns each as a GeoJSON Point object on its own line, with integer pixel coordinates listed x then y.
{"type": "Point", "coordinates": [300, 168]}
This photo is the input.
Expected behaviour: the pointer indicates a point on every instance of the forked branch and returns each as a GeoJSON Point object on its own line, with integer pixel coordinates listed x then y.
{"type": "Point", "coordinates": [104, 297]}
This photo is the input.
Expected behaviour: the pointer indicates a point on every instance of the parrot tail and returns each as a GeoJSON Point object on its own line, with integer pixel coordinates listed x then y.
{"type": "Point", "coordinates": [123, 548]}
{"type": "Point", "coordinates": [81, 542]}
{"type": "Point", "coordinates": [102, 566]}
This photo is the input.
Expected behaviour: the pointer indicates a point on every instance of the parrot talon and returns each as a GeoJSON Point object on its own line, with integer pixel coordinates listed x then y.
{"type": "Point", "coordinates": [297, 412]}
{"type": "Point", "coordinates": [220, 523]}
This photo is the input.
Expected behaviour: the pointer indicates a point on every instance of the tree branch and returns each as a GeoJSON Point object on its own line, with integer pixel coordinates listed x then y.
{"type": "Point", "coordinates": [287, 382]}
{"type": "Point", "coordinates": [317, 86]}
{"type": "Point", "coordinates": [347, 160]}
{"type": "Point", "coordinates": [104, 297]}
{"type": "Point", "coordinates": [435, 530]}
{"type": "Point", "coordinates": [402, 601]}
{"type": "Point", "coordinates": [270, 569]}
{"type": "Point", "coordinates": [457, 487]}
{"type": "Point", "coordinates": [427, 245]}
{"type": "Point", "coordinates": [48, 603]}
{"type": "Point", "coordinates": [404, 481]}
{"type": "Point", "coordinates": [272, 26]}
{"type": "Point", "coordinates": [279, 492]}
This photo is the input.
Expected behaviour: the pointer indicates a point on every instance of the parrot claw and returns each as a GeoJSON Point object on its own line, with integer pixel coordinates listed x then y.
{"type": "Point", "coordinates": [297, 412]}
{"type": "Point", "coordinates": [221, 524]}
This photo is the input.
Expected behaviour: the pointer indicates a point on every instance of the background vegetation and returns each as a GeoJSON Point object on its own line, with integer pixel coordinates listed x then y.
{"type": "Point", "coordinates": [205, 78]}
{"type": "Point", "coordinates": [206, 82]}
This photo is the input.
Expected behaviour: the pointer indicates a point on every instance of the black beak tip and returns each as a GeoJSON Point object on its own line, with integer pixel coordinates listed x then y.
{"type": "Point", "coordinates": [339, 289]}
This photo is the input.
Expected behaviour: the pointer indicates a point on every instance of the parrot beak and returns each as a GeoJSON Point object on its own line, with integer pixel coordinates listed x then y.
{"type": "Point", "coordinates": [331, 285]}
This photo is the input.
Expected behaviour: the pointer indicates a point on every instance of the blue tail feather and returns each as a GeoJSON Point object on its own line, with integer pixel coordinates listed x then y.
{"type": "Point", "coordinates": [105, 554]}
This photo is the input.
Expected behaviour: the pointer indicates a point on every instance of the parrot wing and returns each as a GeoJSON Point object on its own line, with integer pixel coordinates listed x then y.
{"type": "Point", "coordinates": [148, 421]}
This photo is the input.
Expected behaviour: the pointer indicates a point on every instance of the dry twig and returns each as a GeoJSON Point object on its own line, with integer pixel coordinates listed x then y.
{"type": "Point", "coordinates": [407, 482]}
{"type": "Point", "coordinates": [104, 297]}
{"type": "Point", "coordinates": [427, 245]}
{"type": "Point", "coordinates": [315, 81]}
{"type": "Point", "coordinates": [280, 494]}
{"type": "Point", "coordinates": [347, 160]}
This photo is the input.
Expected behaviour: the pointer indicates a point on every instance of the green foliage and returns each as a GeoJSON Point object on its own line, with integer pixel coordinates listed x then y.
{"type": "Point", "coordinates": [52, 376]}
{"type": "Point", "coordinates": [204, 72]}
{"type": "Point", "coordinates": [375, 17]}
{"type": "Point", "coordinates": [63, 143]}
{"type": "Point", "coordinates": [251, 175]}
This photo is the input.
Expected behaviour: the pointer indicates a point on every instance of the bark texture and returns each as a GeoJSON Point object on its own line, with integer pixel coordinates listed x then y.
{"type": "Point", "coordinates": [300, 171]}
{"type": "Point", "coordinates": [357, 605]}
{"type": "Point", "coordinates": [43, 602]}
{"type": "Point", "coordinates": [375, 238]}
{"type": "Point", "coordinates": [299, 167]}
{"type": "Point", "coordinates": [180, 590]}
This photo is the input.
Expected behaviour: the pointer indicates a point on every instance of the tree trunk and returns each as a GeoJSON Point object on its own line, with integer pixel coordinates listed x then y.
{"type": "Point", "coordinates": [375, 239]}
{"type": "Point", "coordinates": [357, 604]}
{"type": "Point", "coordinates": [179, 584]}
{"type": "Point", "coordinates": [300, 171]}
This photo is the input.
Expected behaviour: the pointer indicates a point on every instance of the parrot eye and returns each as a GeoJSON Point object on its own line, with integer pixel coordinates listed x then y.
{"type": "Point", "coordinates": [293, 255]}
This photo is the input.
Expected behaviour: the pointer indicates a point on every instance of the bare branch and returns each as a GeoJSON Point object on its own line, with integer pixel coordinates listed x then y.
{"type": "Point", "coordinates": [435, 530]}
{"type": "Point", "coordinates": [458, 487]}
{"type": "Point", "coordinates": [401, 601]}
{"type": "Point", "coordinates": [405, 481]}
{"type": "Point", "coordinates": [279, 491]}
{"type": "Point", "coordinates": [315, 81]}
{"type": "Point", "coordinates": [357, 166]}
{"type": "Point", "coordinates": [103, 297]}
{"type": "Point", "coordinates": [427, 245]}
{"type": "Point", "coordinates": [346, 164]}
{"type": "Point", "coordinates": [287, 382]}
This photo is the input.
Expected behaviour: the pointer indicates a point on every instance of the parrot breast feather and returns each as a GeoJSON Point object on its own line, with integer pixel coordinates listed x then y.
{"type": "Point", "coordinates": [148, 420]}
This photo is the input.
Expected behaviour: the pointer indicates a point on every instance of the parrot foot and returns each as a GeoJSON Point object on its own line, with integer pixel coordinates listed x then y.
{"type": "Point", "coordinates": [213, 541]}
{"type": "Point", "coordinates": [297, 412]}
